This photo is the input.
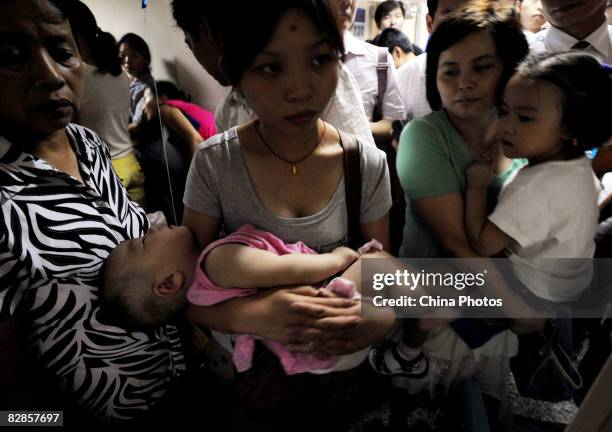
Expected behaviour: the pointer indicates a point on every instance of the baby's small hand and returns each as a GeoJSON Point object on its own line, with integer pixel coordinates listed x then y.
{"type": "Point", "coordinates": [347, 256]}
{"type": "Point", "coordinates": [479, 175]}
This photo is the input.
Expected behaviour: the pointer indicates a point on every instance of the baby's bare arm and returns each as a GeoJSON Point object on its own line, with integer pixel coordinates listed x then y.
{"type": "Point", "coordinates": [240, 266]}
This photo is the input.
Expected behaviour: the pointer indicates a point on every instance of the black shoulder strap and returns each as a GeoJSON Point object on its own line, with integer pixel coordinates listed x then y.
{"type": "Point", "coordinates": [352, 187]}
{"type": "Point", "coordinates": [381, 73]}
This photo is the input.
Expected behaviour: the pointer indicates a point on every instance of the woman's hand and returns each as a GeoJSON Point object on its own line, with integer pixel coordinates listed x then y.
{"type": "Point", "coordinates": [269, 314]}
{"type": "Point", "coordinates": [274, 312]}
{"type": "Point", "coordinates": [337, 331]}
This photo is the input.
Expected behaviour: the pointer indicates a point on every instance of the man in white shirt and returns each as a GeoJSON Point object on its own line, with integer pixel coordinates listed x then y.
{"type": "Point", "coordinates": [531, 16]}
{"type": "Point", "coordinates": [411, 78]}
{"type": "Point", "coordinates": [362, 60]}
{"type": "Point", "coordinates": [576, 25]}
{"type": "Point", "coordinates": [579, 25]}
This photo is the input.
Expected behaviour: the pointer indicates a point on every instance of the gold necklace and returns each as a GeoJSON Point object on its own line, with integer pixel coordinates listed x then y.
{"type": "Point", "coordinates": [292, 163]}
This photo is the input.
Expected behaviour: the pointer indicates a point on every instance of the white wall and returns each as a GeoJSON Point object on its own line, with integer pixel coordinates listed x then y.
{"type": "Point", "coordinates": [171, 59]}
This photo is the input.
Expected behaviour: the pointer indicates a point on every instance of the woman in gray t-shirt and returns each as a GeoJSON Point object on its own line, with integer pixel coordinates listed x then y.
{"type": "Point", "coordinates": [283, 172]}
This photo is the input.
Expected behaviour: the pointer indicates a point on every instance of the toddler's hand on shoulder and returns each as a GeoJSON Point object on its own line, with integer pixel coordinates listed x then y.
{"type": "Point", "coordinates": [479, 175]}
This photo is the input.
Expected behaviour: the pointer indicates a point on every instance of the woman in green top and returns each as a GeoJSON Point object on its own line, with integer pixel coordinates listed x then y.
{"type": "Point", "coordinates": [470, 57]}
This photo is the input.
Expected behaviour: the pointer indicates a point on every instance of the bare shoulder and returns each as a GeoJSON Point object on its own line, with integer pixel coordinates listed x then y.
{"type": "Point", "coordinates": [168, 109]}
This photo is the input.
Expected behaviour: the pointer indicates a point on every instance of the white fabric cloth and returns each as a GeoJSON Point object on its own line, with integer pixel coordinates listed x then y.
{"type": "Point", "coordinates": [553, 39]}
{"type": "Point", "coordinates": [412, 87]}
{"type": "Point", "coordinates": [105, 109]}
{"type": "Point", "coordinates": [530, 36]}
{"type": "Point", "coordinates": [606, 186]}
{"type": "Point", "coordinates": [362, 58]}
{"type": "Point", "coordinates": [345, 110]}
{"type": "Point", "coordinates": [550, 210]}
{"type": "Point", "coordinates": [451, 360]}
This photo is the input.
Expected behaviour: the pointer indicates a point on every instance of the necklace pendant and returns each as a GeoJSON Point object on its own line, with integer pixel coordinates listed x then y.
{"type": "Point", "coordinates": [293, 170]}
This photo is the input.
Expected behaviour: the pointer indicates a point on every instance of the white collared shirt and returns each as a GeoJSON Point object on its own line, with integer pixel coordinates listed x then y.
{"type": "Point", "coordinates": [530, 36]}
{"type": "Point", "coordinates": [553, 39]}
{"type": "Point", "coordinates": [362, 59]}
{"type": "Point", "coordinates": [412, 87]}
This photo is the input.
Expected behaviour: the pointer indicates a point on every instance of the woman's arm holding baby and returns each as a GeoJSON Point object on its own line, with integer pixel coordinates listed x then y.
{"type": "Point", "coordinates": [373, 325]}
{"type": "Point", "coordinates": [379, 230]}
{"type": "Point", "coordinates": [204, 227]}
{"type": "Point", "coordinates": [485, 237]}
{"type": "Point", "coordinates": [267, 314]}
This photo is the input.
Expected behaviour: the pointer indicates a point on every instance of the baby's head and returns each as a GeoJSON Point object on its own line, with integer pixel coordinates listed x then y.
{"type": "Point", "coordinates": [145, 280]}
{"type": "Point", "coordinates": [555, 107]}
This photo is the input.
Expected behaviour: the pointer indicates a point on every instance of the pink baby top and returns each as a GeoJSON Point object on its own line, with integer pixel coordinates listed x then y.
{"type": "Point", "coordinates": [204, 292]}
{"type": "Point", "coordinates": [204, 121]}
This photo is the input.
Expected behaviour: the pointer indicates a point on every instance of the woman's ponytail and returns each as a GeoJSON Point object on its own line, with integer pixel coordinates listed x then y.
{"type": "Point", "coordinates": [105, 53]}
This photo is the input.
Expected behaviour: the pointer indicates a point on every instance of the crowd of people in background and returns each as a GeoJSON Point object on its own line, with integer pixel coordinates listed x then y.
{"type": "Point", "coordinates": [242, 307]}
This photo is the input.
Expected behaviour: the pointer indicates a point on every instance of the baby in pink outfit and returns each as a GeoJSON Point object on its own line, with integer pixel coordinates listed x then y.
{"type": "Point", "coordinates": [153, 278]}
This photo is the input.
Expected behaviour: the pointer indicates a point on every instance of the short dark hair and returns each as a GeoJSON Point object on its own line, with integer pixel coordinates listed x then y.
{"type": "Point", "coordinates": [385, 7]}
{"type": "Point", "coordinates": [103, 47]}
{"type": "Point", "coordinates": [64, 6]}
{"type": "Point", "coordinates": [477, 16]}
{"type": "Point", "coordinates": [137, 43]}
{"type": "Point", "coordinates": [170, 90]}
{"type": "Point", "coordinates": [585, 87]}
{"type": "Point", "coordinates": [391, 38]}
{"type": "Point", "coordinates": [239, 52]}
{"type": "Point", "coordinates": [432, 7]}
{"type": "Point", "coordinates": [189, 15]}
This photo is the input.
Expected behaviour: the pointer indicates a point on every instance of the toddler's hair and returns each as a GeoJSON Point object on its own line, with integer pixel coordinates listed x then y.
{"type": "Point", "coordinates": [585, 87]}
{"type": "Point", "coordinates": [391, 38]}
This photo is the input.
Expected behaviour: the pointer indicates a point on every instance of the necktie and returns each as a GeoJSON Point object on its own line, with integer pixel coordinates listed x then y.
{"type": "Point", "coordinates": [581, 45]}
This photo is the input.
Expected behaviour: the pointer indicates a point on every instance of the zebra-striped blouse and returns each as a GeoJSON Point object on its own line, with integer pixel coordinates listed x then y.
{"type": "Point", "coordinates": [55, 233]}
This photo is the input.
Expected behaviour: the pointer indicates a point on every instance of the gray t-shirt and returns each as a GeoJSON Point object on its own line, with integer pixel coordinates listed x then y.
{"type": "Point", "coordinates": [218, 185]}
